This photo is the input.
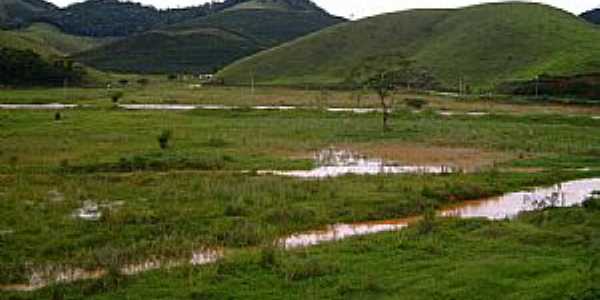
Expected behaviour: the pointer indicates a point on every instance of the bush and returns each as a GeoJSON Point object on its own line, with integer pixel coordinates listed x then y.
{"type": "Point", "coordinates": [427, 224]}
{"type": "Point", "coordinates": [116, 96]}
{"type": "Point", "coordinates": [593, 202]}
{"type": "Point", "coordinates": [268, 256]}
{"type": "Point", "coordinates": [143, 81]}
{"type": "Point", "coordinates": [415, 103]}
{"type": "Point", "coordinates": [164, 138]}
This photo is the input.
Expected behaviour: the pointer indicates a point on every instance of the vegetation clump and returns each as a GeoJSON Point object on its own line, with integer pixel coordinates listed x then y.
{"type": "Point", "coordinates": [163, 139]}
{"type": "Point", "coordinates": [116, 96]}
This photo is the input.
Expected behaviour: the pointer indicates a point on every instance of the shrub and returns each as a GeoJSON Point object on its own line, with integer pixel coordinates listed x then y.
{"type": "Point", "coordinates": [143, 81]}
{"type": "Point", "coordinates": [116, 96]}
{"type": "Point", "coordinates": [593, 202]}
{"type": "Point", "coordinates": [57, 116]}
{"type": "Point", "coordinates": [164, 138]}
{"type": "Point", "coordinates": [415, 103]}
{"type": "Point", "coordinates": [427, 224]}
{"type": "Point", "coordinates": [268, 256]}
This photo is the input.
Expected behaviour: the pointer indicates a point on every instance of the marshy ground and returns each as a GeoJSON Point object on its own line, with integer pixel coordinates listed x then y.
{"type": "Point", "coordinates": [204, 191]}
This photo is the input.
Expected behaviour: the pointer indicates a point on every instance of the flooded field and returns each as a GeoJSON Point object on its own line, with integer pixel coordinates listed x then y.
{"type": "Point", "coordinates": [334, 163]}
{"type": "Point", "coordinates": [507, 206]}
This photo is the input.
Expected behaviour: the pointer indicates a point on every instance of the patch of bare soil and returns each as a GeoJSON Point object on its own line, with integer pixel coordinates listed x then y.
{"type": "Point", "coordinates": [468, 159]}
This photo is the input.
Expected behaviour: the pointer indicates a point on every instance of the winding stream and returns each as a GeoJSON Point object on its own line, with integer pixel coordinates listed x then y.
{"type": "Point", "coordinates": [507, 206]}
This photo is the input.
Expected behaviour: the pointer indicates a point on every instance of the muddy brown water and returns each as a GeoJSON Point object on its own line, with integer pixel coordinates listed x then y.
{"type": "Point", "coordinates": [508, 206]}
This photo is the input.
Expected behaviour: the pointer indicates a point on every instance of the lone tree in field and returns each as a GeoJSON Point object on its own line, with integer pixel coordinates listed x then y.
{"type": "Point", "coordinates": [388, 74]}
{"type": "Point", "coordinates": [384, 75]}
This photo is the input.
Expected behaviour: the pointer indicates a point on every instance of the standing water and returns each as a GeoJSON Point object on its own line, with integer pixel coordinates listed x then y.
{"type": "Point", "coordinates": [567, 194]}
{"type": "Point", "coordinates": [504, 207]}
{"type": "Point", "coordinates": [335, 163]}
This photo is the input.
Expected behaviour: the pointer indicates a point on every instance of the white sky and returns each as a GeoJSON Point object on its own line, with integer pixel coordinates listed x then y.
{"type": "Point", "coordinates": [363, 8]}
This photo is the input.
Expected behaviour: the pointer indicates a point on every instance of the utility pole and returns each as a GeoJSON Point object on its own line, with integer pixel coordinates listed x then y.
{"type": "Point", "coordinates": [537, 86]}
{"type": "Point", "coordinates": [252, 83]}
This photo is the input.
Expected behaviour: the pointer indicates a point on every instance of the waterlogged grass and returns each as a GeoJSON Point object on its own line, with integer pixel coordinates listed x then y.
{"type": "Point", "coordinates": [169, 202]}
{"type": "Point", "coordinates": [551, 254]}
{"type": "Point", "coordinates": [115, 140]}
{"type": "Point", "coordinates": [169, 215]}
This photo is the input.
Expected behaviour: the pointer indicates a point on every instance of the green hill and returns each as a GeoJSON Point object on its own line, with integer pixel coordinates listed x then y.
{"type": "Point", "coordinates": [205, 44]}
{"type": "Point", "coordinates": [47, 40]}
{"type": "Point", "coordinates": [64, 43]}
{"type": "Point", "coordinates": [484, 45]}
{"type": "Point", "coordinates": [36, 56]}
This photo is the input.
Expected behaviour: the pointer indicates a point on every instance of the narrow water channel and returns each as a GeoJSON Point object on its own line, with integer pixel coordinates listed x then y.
{"type": "Point", "coordinates": [507, 206]}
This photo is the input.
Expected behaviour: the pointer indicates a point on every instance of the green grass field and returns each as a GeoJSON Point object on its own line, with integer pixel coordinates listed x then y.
{"type": "Point", "coordinates": [166, 203]}
{"type": "Point", "coordinates": [547, 255]}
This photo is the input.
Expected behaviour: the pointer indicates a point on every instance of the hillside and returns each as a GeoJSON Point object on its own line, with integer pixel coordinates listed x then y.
{"type": "Point", "coordinates": [592, 16]}
{"type": "Point", "coordinates": [65, 44]}
{"type": "Point", "coordinates": [36, 56]}
{"type": "Point", "coordinates": [17, 13]}
{"type": "Point", "coordinates": [205, 44]}
{"type": "Point", "coordinates": [484, 45]}
{"type": "Point", "coordinates": [47, 40]}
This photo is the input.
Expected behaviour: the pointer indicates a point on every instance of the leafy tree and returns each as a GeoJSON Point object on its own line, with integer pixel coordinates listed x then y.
{"type": "Point", "coordinates": [386, 75]}
{"type": "Point", "coordinates": [376, 75]}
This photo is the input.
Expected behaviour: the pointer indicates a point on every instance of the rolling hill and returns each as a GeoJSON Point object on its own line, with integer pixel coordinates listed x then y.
{"type": "Point", "coordinates": [482, 45]}
{"type": "Point", "coordinates": [48, 41]}
{"type": "Point", "coordinates": [592, 16]}
{"type": "Point", "coordinates": [36, 55]}
{"type": "Point", "coordinates": [205, 44]}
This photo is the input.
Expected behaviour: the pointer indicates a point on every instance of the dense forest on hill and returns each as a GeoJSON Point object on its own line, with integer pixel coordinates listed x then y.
{"type": "Point", "coordinates": [27, 68]}
{"type": "Point", "coordinates": [102, 18]}
{"type": "Point", "coordinates": [592, 16]}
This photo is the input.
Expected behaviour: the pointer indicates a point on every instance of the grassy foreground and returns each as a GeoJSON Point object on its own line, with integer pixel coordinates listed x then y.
{"type": "Point", "coordinates": [168, 202]}
{"type": "Point", "coordinates": [553, 254]}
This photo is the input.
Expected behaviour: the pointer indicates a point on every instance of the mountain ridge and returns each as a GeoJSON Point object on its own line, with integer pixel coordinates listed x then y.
{"type": "Point", "coordinates": [206, 44]}
{"type": "Point", "coordinates": [592, 16]}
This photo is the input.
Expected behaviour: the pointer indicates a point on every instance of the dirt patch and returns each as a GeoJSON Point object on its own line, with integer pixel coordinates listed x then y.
{"type": "Point", "coordinates": [468, 159]}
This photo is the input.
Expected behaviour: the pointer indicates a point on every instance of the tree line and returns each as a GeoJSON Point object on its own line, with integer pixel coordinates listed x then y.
{"type": "Point", "coordinates": [27, 68]}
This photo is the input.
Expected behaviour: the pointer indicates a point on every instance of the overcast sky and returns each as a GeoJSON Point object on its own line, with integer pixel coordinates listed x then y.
{"type": "Point", "coordinates": [363, 8]}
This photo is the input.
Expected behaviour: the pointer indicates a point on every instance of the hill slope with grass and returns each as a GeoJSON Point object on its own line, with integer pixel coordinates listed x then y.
{"type": "Point", "coordinates": [203, 45]}
{"type": "Point", "coordinates": [47, 40]}
{"type": "Point", "coordinates": [592, 16]}
{"type": "Point", "coordinates": [483, 45]}
{"type": "Point", "coordinates": [37, 56]}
